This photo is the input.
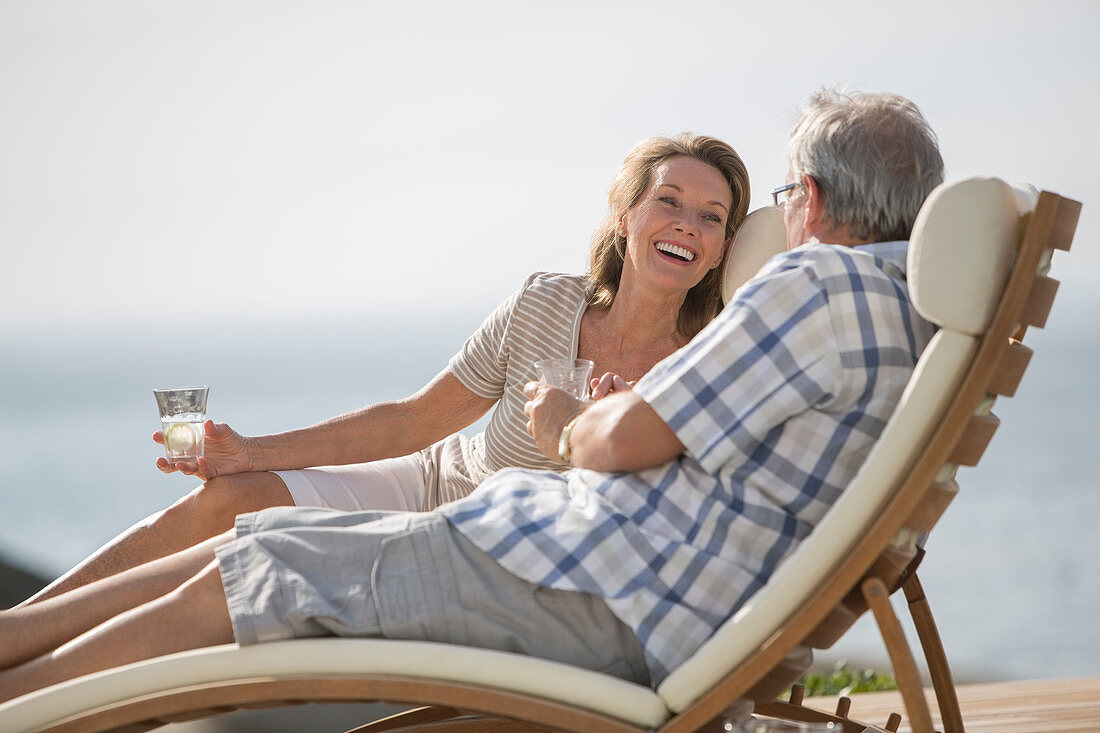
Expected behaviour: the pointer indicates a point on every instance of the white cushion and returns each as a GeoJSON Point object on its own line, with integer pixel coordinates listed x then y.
{"type": "Point", "coordinates": [965, 239]}
{"type": "Point", "coordinates": [761, 236]}
{"type": "Point", "coordinates": [334, 657]}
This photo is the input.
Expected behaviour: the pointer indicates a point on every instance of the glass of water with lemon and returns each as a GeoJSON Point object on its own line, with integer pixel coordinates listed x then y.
{"type": "Point", "coordinates": [182, 414]}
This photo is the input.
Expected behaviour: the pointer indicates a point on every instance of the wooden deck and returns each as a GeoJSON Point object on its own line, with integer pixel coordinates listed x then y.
{"type": "Point", "coordinates": [1042, 706]}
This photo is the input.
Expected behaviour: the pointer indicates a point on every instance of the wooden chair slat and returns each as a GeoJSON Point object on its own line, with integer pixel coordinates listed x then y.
{"type": "Point", "coordinates": [1039, 301]}
{"type": "Point", "coordinates": [893, 565]}
{"type": "Point", "coordinates": [974, 440]}
{"type": "Point", "coordinates": [834, 626]}
{"type": "Point", "coordinates": [1061, 236]}
{"type": "Point", "coordinates": [932, 506]}
{"type": "Point", "coordinates": [779, 679]}
{"type": "Point", "coordinates": [1011, 370]}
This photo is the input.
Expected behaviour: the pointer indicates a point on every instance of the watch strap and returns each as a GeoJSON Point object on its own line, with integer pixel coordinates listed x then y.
{"type": "Point", "coordinates": [565, 450]}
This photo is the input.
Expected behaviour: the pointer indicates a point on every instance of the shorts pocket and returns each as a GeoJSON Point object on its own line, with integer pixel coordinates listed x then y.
{"type": "Point", "coordinates": [413, 586]}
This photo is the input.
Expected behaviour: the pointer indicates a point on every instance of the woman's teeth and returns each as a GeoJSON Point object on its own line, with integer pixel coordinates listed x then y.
{"type": "Point", "coordinates": [676, 250]}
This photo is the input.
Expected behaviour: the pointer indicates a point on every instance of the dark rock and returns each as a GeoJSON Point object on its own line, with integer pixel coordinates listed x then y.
{"type": "Point", "coordinates": [17, 584]}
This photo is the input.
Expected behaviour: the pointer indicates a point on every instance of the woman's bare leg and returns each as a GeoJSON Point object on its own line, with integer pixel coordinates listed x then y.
{"type": "Point", "coordinates": [30, 631]}
{"type": "Point", "coordinates": [190, 616]}
{"type": "Point", "coordinates": [207, 511]}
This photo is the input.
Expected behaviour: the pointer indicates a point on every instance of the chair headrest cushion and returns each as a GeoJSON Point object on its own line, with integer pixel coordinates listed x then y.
{"type": "Point", "coordinates": [761, 236]}
{"type": "Point", "coordinates": [963, 246]}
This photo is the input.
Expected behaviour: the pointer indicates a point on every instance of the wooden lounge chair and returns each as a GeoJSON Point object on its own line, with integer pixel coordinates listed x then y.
{"type": "Point", "coordinates": [977, 268]}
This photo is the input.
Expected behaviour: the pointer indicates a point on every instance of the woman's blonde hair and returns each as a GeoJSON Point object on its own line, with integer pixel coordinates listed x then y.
{"type": "Point", "coordinates": [605, 259]}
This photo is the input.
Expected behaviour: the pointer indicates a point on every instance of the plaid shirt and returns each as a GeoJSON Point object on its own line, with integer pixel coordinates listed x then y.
{"type": "Point", "coordinates": [778, 402]}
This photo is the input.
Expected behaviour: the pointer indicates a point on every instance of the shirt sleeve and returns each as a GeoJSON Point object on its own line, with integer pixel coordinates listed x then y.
{"type": "Point", "coordinates": [482, 362]}
{"type": "Point", "coordinates": [769, 355]}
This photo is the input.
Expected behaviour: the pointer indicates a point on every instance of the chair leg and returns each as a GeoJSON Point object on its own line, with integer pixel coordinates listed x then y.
{"type": "Point", "coordinates": [944, 685]}
{"type": "Point", "coordinates": [905, 668]}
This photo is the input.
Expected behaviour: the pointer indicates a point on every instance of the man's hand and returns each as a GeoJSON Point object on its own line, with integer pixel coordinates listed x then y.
{"type": "Point", "coordinates": [548, 409]}
{"type": "Point", "coordinates": [225, 451]}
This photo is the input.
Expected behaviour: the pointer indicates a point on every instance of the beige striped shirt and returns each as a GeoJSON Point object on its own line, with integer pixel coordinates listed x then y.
{"type": "Point", "coordinates": [540, 321]}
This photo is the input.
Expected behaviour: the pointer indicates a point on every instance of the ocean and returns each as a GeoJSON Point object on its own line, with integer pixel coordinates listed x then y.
{"type": "Point", "coordinates": [1012, 571]}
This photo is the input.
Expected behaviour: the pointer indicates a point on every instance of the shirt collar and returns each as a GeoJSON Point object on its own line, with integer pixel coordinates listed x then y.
{"type": "Point", "coordinates": [891, 253]}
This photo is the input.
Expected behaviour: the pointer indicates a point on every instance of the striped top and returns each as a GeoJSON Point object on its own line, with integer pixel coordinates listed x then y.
{"type": "Point", "coordinates": [540, 321]}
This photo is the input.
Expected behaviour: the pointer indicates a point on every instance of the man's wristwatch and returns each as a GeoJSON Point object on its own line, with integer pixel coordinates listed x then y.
{"type": "Point", "coordinates": [564, 450]}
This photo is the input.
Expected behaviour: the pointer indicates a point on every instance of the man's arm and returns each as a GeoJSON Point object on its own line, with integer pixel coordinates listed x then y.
{"type": "Point", "coordinates": [620, 432]}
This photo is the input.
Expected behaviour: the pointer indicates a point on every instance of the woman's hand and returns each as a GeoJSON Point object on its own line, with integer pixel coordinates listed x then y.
{"type": "Point", "coordinates": [608, 383]}
{"type": "Point", "coordinates": [225, 451]}
{"type": "Point", "coordinates": [548, 409]}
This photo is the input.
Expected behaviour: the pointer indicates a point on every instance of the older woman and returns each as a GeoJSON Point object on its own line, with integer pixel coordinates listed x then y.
{"type": "Point", "coordinates": [654, 281]}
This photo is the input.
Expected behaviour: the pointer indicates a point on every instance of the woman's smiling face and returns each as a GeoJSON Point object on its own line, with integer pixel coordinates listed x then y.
{"type": "Point", "coordinates": [676, 231]}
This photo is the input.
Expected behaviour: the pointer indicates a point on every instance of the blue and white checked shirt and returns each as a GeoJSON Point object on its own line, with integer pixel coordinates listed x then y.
{"type": "Point", "coordinates": [777, 401]}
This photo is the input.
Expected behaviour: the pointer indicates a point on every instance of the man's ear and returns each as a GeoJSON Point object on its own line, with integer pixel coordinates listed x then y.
{"type": "Point", "coordinates": [814, 207]}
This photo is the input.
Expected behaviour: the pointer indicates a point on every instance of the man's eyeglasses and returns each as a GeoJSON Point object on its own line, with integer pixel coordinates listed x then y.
{"type": "Point", "coordinates": [781, 195]}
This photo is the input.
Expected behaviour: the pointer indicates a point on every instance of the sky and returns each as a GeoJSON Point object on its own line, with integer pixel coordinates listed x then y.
{"type": "Point", "coordinates": [239, 161]}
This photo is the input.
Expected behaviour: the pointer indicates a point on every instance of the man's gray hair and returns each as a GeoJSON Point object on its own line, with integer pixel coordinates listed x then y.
{"type": "Point", "coordinates": [874, 157]}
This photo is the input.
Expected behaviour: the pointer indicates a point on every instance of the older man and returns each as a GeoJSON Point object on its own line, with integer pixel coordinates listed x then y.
{"type": "Point", "coordinates": [688, 492]}
{"type": "Point", "coordinates": [737, 444]}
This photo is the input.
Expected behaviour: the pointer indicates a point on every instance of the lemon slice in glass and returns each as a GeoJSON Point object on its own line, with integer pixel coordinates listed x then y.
{"type": "Point", "coordinates": [180, 437]}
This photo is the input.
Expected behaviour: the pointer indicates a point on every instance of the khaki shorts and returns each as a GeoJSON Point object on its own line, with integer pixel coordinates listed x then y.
{"type": "Point", "coordinates": [302, 571]}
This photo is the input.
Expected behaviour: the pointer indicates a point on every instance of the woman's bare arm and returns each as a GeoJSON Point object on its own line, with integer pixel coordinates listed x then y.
{"type": "Point", "coordinates": [383, 430]}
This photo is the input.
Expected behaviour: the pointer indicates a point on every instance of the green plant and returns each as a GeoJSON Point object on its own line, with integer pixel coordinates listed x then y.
{"type": "Point", "coordinates": [844, 680]}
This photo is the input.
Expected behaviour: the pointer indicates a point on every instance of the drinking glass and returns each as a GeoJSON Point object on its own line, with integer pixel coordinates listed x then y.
{"type": "Point", "coordinates": [182, 414]}
{"type": "Point", "coordinates": [571, 375]}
